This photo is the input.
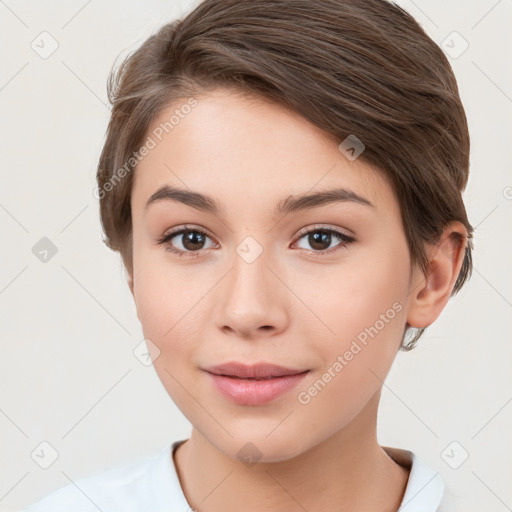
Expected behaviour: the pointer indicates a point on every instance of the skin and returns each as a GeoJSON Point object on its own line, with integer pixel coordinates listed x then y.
{"type": "Point", "coordinates": [291, 306]}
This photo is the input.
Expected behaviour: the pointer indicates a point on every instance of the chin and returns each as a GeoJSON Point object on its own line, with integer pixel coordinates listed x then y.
{"type": "Point", "coordinates": [255, 446]}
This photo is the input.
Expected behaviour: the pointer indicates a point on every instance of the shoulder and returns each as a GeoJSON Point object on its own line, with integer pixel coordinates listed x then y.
{"type": "Point", "coordinates": [127, 487]}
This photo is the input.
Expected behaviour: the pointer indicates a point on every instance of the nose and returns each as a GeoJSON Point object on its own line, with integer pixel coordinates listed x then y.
{"type": "Point", "coordinates": [252, 301]}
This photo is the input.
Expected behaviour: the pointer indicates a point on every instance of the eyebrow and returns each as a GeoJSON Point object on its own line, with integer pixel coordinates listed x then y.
{"type": "Point", "coordinates": [291, 204]}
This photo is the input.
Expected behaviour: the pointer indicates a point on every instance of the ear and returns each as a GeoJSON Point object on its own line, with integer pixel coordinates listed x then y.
{"type": "Point", "coordinates": [431, 290]}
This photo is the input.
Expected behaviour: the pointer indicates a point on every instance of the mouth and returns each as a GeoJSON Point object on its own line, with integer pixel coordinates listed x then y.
{"type": "Point", "coordinates": [254, 384]}
{"type": "Point", "coordinates": [258, 371]}
{"type": "Point", "coordinates": [255, 378]}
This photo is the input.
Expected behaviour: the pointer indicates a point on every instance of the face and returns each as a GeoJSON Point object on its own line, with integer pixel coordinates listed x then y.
{"type": "Point", "coordinates": [318, 286]}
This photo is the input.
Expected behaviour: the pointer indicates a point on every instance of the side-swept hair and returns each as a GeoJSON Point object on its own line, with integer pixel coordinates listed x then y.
{"type": "Point", "coordinates": [362, 67]}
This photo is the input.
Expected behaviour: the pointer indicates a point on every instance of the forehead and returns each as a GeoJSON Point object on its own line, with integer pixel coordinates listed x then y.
{"type": "Point", "coordinates": [241, 148]}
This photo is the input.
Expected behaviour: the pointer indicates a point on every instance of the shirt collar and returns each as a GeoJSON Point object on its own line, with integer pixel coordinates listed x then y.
{"type": "Point", "coordinates": [425, 487]}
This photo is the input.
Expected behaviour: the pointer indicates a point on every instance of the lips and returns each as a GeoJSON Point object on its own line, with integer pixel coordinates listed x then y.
{"type": "Point", "coordinates": [254, 385]}
{"type": "Point", "coordinates": [258, 371]}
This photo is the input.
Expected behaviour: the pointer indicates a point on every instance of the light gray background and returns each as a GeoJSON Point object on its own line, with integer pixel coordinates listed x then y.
{"type": "Point", "coordinates": [69, 327]}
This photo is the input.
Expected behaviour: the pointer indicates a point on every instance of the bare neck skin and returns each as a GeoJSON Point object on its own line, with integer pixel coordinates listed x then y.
{"type": "Point", "coordinates": [349, 471]}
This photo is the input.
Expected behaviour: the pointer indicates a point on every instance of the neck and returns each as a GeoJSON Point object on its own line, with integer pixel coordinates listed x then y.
{"type": "Point", "coordinates": [349, 471]}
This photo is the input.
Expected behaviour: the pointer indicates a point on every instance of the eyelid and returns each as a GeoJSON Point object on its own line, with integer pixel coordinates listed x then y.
{"type": "Point", "coordinates": [187, 227]}
{"type": "Point", "coordinates": [319, 227]}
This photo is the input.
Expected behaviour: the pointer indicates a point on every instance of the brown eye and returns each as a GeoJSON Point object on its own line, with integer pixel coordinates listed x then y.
{"type": "Point", "coordinates": [320, 239]}
{"type": "Point", "coordinates": [185, 241]}
{"type": "Point", "coordinates": [192, 240]}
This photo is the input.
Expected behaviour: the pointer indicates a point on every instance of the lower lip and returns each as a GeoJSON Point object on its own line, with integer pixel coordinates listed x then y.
{"type": "Point", "coordinates": [255, 392]}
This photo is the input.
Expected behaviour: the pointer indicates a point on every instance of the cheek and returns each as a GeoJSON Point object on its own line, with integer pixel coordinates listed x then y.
{"type": "Point", "coordinates": [166, 311]}
{"type": "Point", "coordinates": [171, 306]}
{"type": "Point", "coordinates": [367, 314]}
{"type": "Point", "coordinates": [160, 289]}
{"type": "Point", "coordinates": [355, 295]}
{"type": "Point", "coordinates": [160, 301]}
{"type": "Point", "coordinates": [363, 313]}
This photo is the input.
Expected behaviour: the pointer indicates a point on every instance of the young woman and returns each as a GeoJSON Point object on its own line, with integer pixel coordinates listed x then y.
{"type": "Point", "coordinates": [283, 181]}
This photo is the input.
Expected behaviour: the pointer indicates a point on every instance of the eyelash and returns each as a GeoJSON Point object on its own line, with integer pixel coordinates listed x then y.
{"type": "Point", "coordinates": [345, 239]}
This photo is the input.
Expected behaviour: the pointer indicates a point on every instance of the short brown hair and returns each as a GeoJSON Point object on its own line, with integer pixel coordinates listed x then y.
{"type": "Point", "coordinates": [362, 67]}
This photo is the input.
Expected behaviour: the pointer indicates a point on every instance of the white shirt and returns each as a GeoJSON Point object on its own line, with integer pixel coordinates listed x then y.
{"type": "Point", "coordinates": [151, 484]}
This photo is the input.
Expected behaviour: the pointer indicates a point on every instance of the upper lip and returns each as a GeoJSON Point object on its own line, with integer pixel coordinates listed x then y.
{"type": "Point", "coordinates": [252, 371]}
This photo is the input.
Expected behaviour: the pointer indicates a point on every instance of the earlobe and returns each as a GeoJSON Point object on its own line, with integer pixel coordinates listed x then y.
{"type": "Point", "coordinates": [432, 290]}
